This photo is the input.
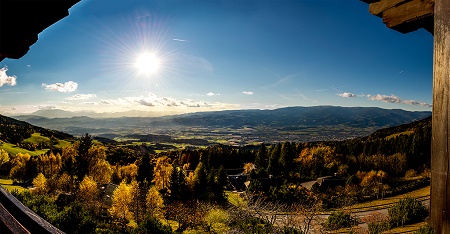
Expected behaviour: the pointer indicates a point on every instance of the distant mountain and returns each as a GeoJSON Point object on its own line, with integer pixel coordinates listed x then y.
{"type": "Point", "coordinates": [296, 123]}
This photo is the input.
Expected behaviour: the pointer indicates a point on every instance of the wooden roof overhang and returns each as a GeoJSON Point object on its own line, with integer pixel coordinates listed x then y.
{"type": "Point", "coordinates": [21, 21]}
{"type": "Point", "coordinates": [404, 15]}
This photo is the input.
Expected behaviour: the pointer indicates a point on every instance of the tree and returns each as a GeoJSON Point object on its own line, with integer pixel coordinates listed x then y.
{"type": "Point", "coordinates": [162, 172]}
{"type": "Point", "coordinates": [101, 172]}
{"type": "Point", "coordinates": [121, 204]}
{"type": "Point", "coordinates": [40, 184]}
{"type": "Point", "coordinates": [261, 159]}
{"type": "Point", "coordinates": [200, 182]}
{"type": "Point", "coordinates": [18, 170]}
{"type": "Point", "coordinates": [145, 169]}
{"type": "Point", "coordinates": [273, 167]}
{"type": "Point", "coordinates": [177, 186]}
{"type": "Point", "coordinates": [4, 157]}
{"type": "Point", "coordinates": [88, 194]}
{"type": "Point", "coordinates": [82, 161]}
{"type": "Point", "coordinates": [154, 202]}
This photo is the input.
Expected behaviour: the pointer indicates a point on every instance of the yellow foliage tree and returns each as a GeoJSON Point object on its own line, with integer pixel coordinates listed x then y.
{"type": "Point", "coordinates": [4, 157]}
{"type": "Point", "coordinates": [121, 203]}
{"type": "Point", "coordinates": [18, 168]}
{"type": "Point", "coordinates": [88, 194]}
{"type": "Point", "coordinates": [128, 173]}
{"type": "Point", "coordinates": [65, 183]}
{"type": "Point", "coordinates": [101, 171]}
{"type": "Point", "coordinates": [155, 202]}
{"type": "Point", "coordinates": [40, 184]}
{"type": "Point", "coordinates": [162, 172]}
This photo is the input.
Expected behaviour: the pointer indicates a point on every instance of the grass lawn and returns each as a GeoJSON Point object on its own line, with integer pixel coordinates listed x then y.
{"type": "Point", "coordinates": [387, 201]}
{"type": "Point", "coordinates": [407, 228]}
{"type": "Point", "coordinates": [36, 138]}
{"type": "Point", "coordinates": [13, 149]}
{"type": "Point", "coordinates": [8, 185]}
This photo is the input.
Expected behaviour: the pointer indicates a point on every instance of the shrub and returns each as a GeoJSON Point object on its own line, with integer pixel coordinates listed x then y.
{"type": "Point", "coordinates": [339, 219]}
{"type": "Point", "coordinates": [378, 227]}
{"type": "Point", "coordinates": [153, 225]}
{"type": "Point", "coordinates": [407, 210]}
{"type": "Point", "coordinates": [427, 229]}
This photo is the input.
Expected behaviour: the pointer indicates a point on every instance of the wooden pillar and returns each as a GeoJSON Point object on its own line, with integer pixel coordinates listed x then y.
{"type": "Point", "coordinates": [440, 176]}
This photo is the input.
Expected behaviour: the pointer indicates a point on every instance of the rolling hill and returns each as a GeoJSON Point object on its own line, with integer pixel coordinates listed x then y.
{"type": "Point", "coordinates": [243, 126]}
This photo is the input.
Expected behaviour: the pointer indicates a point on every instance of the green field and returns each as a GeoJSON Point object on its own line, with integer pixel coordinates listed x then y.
{"type": "Point", "coordinates": [8, 185]}
{"type": "Point", "coordinates": [13, 150]}
{"type": "Point", "coordinates": [35, 138]}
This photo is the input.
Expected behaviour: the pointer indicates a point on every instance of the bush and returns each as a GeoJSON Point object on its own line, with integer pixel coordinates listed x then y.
{"type": "Point", "coordinates": [407, 210]}
{"type": "Point", "coordinates": [252, 225]}
{"type": "Point", "coordinates": [378, 227]}
{"type": "Point", "coordinates": [427, 229]}
{"type": "Point", "coordinates": [291, 230]}
{"type": "Point", "coordinates": [338, 220]}
{"type": "Point", "coordinates": [153, 225]}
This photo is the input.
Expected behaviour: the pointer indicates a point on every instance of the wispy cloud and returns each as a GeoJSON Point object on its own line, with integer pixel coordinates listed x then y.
{"type": "Point", "coordinates": [181, 40]}
{"type": "Point", "coordinates": [5, 79]}
{"type": "Point", "coordinates": [248, 92]}
{"type": "Point", "coordinates": [385, 98]}
{"type": "Point", "coordinates": [67, 87]}
{"type": "Point", "coordinates": [81, 97]}
{"type": "Point", "coordinates": [281, 80]}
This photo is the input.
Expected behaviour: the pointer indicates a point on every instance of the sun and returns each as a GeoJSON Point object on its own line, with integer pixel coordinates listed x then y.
{"type": "Point", "coordinates": [147, 63]}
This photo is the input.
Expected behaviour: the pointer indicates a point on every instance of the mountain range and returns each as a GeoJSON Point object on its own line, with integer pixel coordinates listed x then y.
{"type": "Point", "coordinates": [293, 123]}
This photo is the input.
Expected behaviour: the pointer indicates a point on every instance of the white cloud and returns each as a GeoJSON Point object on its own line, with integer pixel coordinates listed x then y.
{"type": "Point", "coordinates": [394, 99]}
{"type": "Point", "coordinates": [67, 87]}
{"type": "Point", "coordinates": [248, 92]}
{"type": "Point", "coordinates": [81, 97]}
{"type": "Point", "coordinates": [385, 98]}
{"type": "Point", "coordinates": [5, 79]}
{"type": "Point", "coordinates": [212, 94]}
{"type": "Point", "coordinates": [347, 95]}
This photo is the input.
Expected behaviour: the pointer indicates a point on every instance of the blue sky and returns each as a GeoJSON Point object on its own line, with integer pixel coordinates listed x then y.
{"type": "Point", "coordinates": [217, 55]}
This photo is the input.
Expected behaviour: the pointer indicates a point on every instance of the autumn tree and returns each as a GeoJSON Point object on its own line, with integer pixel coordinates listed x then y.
{"type": "Point", "coordinates": [88, 194]}
{"type": "Point", "coordinates": [154, 202]}
{"type": "Point", "coordinates": [4, 157]}
{"type": "Point", "coordinates": [68, 155]}
{"type": "Point", "coordinates": [65, 183]}
{"type": "Point", "coordinates": [40, 184]}
{"type": "Point", "coordinates": [101, 171]}
{"type": "Point", "coordinates": [18, 170]}
{"type": "Point", "coordinates": [162, 171]}
{"type": "Point", "coordinates": [121, 204]}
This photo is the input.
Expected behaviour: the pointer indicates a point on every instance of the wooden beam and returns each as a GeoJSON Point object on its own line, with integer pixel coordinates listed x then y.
{"type": "Point", "coordinates": [440, 176]}
{"type": "Point", "coordinates": [408, 12]}
{"type": "Point", "coordinates": [404, 15]}
{"type": "Point", "coordinates": [377, 8]}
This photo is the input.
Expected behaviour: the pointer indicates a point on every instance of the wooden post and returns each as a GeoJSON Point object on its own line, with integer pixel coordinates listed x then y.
{"type": "Point", "coordinates": [440, 176]}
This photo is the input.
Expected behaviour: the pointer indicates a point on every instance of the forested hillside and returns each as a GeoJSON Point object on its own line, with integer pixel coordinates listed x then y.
{"type": "Point", "coordinates": [130, 188]}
